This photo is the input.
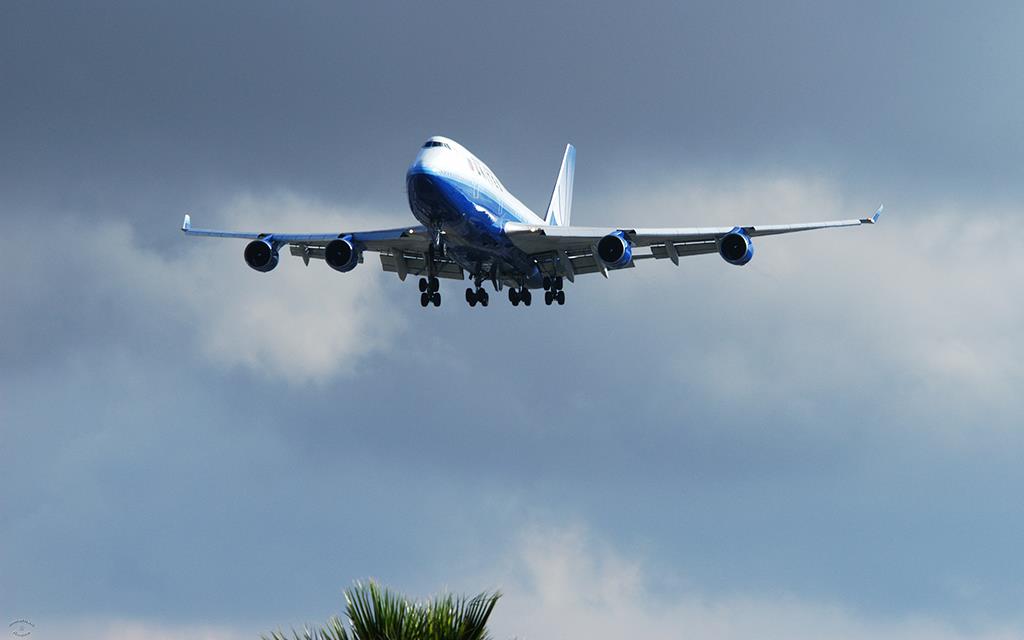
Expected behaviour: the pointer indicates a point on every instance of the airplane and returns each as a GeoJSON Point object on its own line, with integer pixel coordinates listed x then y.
{"type": "Point", "coordinates": [471, 226]}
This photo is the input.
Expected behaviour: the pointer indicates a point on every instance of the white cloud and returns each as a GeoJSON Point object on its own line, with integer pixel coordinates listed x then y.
{"type": "Point", "coordinates": [919, 309]}
{"type": "Point", "coordinates": [922, 302]}
{"type": "Point", "coordinates": [297, 323]}
{"type": "Point", "coordinates": [301, 323]}
{"type": "Point", "coordinates": [562, 583]}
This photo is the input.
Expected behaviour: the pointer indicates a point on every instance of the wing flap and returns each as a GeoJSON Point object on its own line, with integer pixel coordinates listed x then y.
{"type": "Point", "coordinates": [661, 252]}
{"type": "Point", "coordinates": [416, 264]}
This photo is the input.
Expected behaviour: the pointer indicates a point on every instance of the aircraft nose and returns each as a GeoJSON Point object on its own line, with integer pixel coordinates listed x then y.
{"type": "Point", "coordinates": [426, 189]}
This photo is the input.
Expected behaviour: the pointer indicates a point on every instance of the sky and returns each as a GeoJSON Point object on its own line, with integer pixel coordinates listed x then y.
{"type": "Point", "coordinates": [823, 443]}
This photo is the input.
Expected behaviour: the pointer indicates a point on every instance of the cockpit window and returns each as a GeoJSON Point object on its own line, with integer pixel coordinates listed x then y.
{"type": "Point", "coordinates": [435, 143]}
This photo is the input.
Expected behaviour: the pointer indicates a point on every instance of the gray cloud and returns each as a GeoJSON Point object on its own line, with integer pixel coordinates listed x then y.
{"type": "Point", "coordinates": [898, 99]}
{"type": "Point", "coordinates": [732, 444]}
{"type": "Point", "coordinates": [190, 445]}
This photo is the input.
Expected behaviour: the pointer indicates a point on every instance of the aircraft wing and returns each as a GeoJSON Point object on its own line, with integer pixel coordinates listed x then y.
{"type": "Point", "coordinates": [402, 250]}
{"type": "Point", "coordinates": [572, 251]}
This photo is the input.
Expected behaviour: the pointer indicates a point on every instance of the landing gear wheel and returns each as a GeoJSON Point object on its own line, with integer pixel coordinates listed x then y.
{"type": "Point", "coordinates": [557, 284]}
{"type": "Point", "coordinates": [560, 297]}
{"type": "Point", "coordinates": [435, 284]}
{"type": "Point", "coordinates": [471, 297]}
{"type": "Point", "coordinates": [424, 299]}
{"type": "Point", "coordinates": [423, 285]}
{"type": "Point", "coordinates": [436, 299]}
{"type": "Point", "coordinates": [549, 297]}
{"type": "Point", "coordinates": [513, 297]}
{"type": "Point", "coordinates": [482, 296]}
{"type": "Point", "coordinates": [526, 296]}
{"type": "Point", "coordinates": [547, 283]}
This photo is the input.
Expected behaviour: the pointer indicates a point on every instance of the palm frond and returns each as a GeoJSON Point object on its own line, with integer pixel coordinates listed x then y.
{"type": "Point", "coordinates": [333, 630]}
{"type": "Point", "coordinates": [376, 613]}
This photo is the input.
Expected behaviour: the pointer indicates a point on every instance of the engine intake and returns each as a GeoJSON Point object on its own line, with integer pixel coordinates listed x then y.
{"type": "Point", "coordinates": [261, 255]}
{"type": "Point", "coordinates": [614, 250]}
{"type": "Point", "coordinates": [736, 247]}
{"type": "Point", "coordinates": [341, 254]}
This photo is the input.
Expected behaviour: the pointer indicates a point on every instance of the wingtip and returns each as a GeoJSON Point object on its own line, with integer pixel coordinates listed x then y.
{"type": "Point", "coordinates": [186, 224]}
{"type": "Point", "coordinates": [874, 218]}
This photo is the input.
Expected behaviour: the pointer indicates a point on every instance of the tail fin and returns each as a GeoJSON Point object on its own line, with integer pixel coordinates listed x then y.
{"type": "Point", "coordinates": [560, 208]}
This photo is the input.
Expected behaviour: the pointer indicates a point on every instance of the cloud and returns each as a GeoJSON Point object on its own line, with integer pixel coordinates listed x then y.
{"type": "Point", "coordinates": [565, 583]}
{"type": "Point", "coordinates": [106, 284]}
{"type": "Point", "coordinates": [913, 312]}
{"type": "Point", "coordinates": [760, 402]}
{"type": "Point", "coordinates": [919, 301]}
{"type": "Point", "coordinates": [303, 324]}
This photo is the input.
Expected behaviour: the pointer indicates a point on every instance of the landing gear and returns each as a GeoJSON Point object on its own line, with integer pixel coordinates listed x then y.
{"type": "Point", "coordinates": [430, 291]}
{"type": "Point", "coordinates": [552, 284]}
{"type": "Point", "coordinates": [554, 296]}
{"type": "Point", "coordinates": [553, 290]}
{"type": "Point", "coordinates": [430, 285]}
{"type": "Point", "coordinates": [478, 295]}
{"type": "Point", "coordinates": [515, 296]}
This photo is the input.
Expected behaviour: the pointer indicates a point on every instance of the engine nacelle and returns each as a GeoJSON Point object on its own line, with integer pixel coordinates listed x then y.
{"type": "Point", "coordinates": [341, 254]}
{"type": "Point", "coordinates": [614, 250]}
{"type": "Point", "coordinates": [261, 255]}
{"type": "Point", "coordinates": [736, 247]}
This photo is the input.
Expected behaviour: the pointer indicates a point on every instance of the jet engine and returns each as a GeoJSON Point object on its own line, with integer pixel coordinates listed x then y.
{"type": "Point", "coordinates": [261, 255]}
{"type": "Point", "coordinates": [614, 250]}
{"type": "Point", "coordinates": [736, 247]}
{"type": "Point", "coordinates": [341, 254]}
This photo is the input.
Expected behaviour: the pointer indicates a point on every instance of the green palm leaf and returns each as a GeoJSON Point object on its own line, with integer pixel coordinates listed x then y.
{"type": "Point", "coordinates": [376, 613]}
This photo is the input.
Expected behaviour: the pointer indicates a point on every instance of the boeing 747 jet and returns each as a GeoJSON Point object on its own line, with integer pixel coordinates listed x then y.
{"type": "Point", "coordinates": [470, 225]}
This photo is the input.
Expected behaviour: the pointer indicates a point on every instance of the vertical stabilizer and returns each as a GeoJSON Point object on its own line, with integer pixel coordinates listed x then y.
{"type": "Point", "coordinates": [560, 208]}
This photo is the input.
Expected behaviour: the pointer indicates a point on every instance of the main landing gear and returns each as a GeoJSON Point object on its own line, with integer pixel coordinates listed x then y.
{"type": "Point", "coordinates": [515, 296]}
{"type": "Point", "coordinates": [477, 295]}
{"type": "Point", "coordinates": [430, 291]}
{"type": "Point", "coordinates": [553, 291]}
{"type": "Point", "coordinates": [473, 296]}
